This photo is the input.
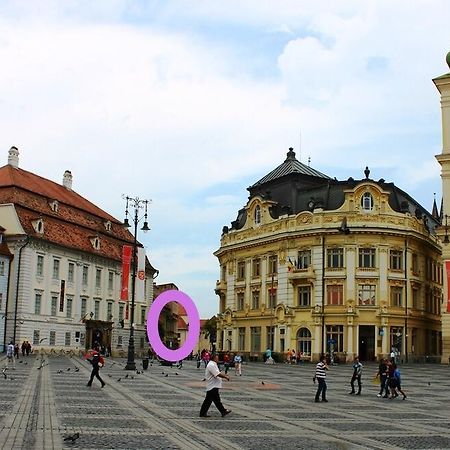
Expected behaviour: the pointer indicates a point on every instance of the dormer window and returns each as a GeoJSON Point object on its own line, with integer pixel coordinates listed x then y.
{"type": "Point", "coordinates": [258, 214]}
{"type": "Point", "coordinates": [107, 225]}
{"type": "Point", "coordinates": [95, 241]}
{"type": "Point", "coordinates": [54, 206]}
{"type": "Point", "coordinates": [38, 226]}
{"type": "Point", "coordinates": [367, 201]}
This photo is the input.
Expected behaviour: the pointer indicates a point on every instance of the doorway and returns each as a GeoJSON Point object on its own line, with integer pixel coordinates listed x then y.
{"type": "Point", "coordinates": [366, 343]}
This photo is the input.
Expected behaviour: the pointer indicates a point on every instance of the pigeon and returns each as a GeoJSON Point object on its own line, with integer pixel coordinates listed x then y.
{"type": "Point", "coordinates": [20, 362]}
{"type": "Point", "coordinates": [4, 374]}
{"type": "Point", "coordinates": [176, 373]}
{"type": "Point", "coordinates": [72, 438]}
{"type": "Point", "coordinates": [132, 378]}
{"type": "Point", "coordinates": [59, 371]}
{"type": "Point", "coordinates": [162, 372]}
{"type": "Point", "coordinates": [262, 382]}
{"type": "Point", "coordinates": [109, 375]}
{"type": "Point", "coordinates": [166, 375]}
{"type": "Point", "coordinates": [68, 369]}
{"type": "Point", "coordinates": [126, 376]}
{"type": "Point", "coordinates": [77, 369]}
{"type": "Point", "coordinates": [119, 379]}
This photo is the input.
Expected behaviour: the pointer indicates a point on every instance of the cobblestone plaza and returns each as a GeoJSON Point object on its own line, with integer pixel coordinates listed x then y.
{"type": "Point", "coordinates": [273, 407]}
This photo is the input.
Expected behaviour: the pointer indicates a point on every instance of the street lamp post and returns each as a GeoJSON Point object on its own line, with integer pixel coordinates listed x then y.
{"type": "Point", "coordinates": [137, 204]}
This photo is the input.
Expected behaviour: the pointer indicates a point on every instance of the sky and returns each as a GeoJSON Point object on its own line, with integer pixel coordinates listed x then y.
{"type": "Point", "coordinates": [188, 103]}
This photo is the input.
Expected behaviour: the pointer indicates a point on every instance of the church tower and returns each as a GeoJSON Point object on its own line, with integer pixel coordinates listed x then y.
{"type": "Point", "coordinates": [443, 85]}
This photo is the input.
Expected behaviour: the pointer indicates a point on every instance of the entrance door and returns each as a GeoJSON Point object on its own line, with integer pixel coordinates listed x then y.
{"type": "Point", "coordinates": [366, 346]}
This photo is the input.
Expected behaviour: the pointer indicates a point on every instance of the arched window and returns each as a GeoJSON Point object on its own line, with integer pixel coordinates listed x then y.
{"type": "Point", "coordinates": [367, 201]}
{"type": "Point", "coordinates": [258, 214]}
{"type": "Point", "coordinates": [304, 342]}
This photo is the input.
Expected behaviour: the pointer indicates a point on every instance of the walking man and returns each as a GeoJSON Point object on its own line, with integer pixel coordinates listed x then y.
{"type": "Point", "coordinates": [238, 364]}
{"type": "Point", "coordinates": [10, 355]}
{"type": "Point", "coordinates": [357, 372]}
{"type": "Point", "coordinates": [97, 361]}
{"type": "Point", "coordinates": [214, 382]}
{"type": "Point", "coordinates": [320, 376]}
{"type": "Point", "coordinates": [383, 374]}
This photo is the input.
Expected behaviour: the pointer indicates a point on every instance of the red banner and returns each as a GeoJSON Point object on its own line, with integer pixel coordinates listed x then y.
{"type": "Point", "coordinates": [126, 262]}
{"type": "Point", "coordinates": [447, 267]}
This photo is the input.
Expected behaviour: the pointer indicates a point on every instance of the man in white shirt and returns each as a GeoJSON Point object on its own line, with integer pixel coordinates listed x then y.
{"type": "Point", "coordinates": [10, 355]}
{"type": "Point", "coordinates": [213, 378]}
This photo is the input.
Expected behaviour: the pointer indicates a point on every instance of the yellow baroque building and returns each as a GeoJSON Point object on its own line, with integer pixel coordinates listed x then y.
{"type": "Point", "coordinates": [326, 266]}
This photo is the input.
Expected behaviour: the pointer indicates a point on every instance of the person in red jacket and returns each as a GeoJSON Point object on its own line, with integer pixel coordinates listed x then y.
{"type": "Point", "coordinates": [97, 362]}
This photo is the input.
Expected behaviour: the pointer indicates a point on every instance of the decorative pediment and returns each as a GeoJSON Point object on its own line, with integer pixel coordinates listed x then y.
{"type": "Point", "coordinates": [38, 225]}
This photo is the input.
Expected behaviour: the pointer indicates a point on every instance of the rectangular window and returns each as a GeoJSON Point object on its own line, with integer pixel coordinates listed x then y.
{"type": "Point", "coordinates": [396, 260]}
{"type": "Point", "coordinates": [109, 310]}
{"type": "Point", "coordinates": [85, 278]}
{"type": "Point", "coordinates": [241, 339]}
{"type": "Point", "coordinates": [270, 334]}
{"type": "Point", "coordinates": [223, 272]}
{"type": "Point", "coordinates": [98, 278]}
{"type": "Point", "coordinates": [143, 314]}
{"type": "Point", "coordinates": [415, 263]}
{"type": "Point", "coordinates": [273, 265]}
{"type": "Point", "coordinates": [83, 307]}
{"type": "Point", "coordinates": [71, 272]}
{"type": "Point", "coordinates": [335, 258]}
{"type": "Point", "coordinates": [256, 267]}
{"type": "Point", "coordinates": [241, 270]}
{"type": "Point", "coordinates": [255, 339]}
{"type": "Point", "coordinates": [304, 259]}
{"type": "Point", "coordinates": [54, 305]}
{"type": "Point", "coordinates": [52, 338]}
{"type": "Point", "coordinates": [69, 307]}
{"type": "Point", "coordinates": [111, 281]}
{"type": "Point", "coordinates": [40, 266]}
{"type": "Point", "coordinates": [335, 294]}
{"type": "Point", "coordinates": [255, 300]}
{"type": "Point", "coordinates": [304, 296]}
{"type": "Point", "coordinates": [240, 301]}
{"type": "Point", "coordinates": [121, 311]}
{"type": "Point", "coordinates": [67, 339]}
{"type": "Point", "coordinates": [2, 268]}
{"type": "Point", "coordinates": [366, 294]}
{"type": "Point", "coordinates": [415, 298]}
{"type": "Point", "coordinates": [36, 337]}
{"type": "Point", "coordinates": [367, 258]}
{"type": "Point", "coordinates": [272, 297]}
{"type": "Point", "coordinates": [56, 263]}
{"type": "Point", "coordinates": [119, 341]}
{"type": "Point", "coordinates": [97, 309]}
{"type": "Point", "coordinates": [37, 303]}
{"type": "Point", "coordinates": [335, 334]}
{"type": "Point", "coordinates": [396, 335]}
{"type": "Point", "coordinates": [396, 296]}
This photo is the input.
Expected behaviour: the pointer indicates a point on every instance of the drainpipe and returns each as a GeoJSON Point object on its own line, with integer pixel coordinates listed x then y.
{"type": "Point", "coordinates": [406, 300]}
{"type": "Point", "coordinates": [17, 286]}
{"type": "Point", "coordinates": [7, 300]}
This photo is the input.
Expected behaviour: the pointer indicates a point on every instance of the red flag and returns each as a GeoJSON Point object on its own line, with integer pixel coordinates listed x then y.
{"type": "Point", "coordinates": [126, 261]}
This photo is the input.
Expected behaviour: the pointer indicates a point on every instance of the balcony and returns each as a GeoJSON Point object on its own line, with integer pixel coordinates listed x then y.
{"type": "Point", "coordinates": [301, 275]}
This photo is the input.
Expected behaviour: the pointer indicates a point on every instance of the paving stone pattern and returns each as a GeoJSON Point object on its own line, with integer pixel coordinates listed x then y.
{"type": "Point", "coordinates": [46, 400]}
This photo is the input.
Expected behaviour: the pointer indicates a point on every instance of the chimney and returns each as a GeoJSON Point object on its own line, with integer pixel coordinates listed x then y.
{"type": "Point", "coordinates": [13, 157]}
{"type": "Point", "coordinates": [67, 180]}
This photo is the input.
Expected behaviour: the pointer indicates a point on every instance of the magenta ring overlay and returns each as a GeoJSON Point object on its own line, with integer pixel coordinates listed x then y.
{"type": "Point", "coordinates": [152, 325]}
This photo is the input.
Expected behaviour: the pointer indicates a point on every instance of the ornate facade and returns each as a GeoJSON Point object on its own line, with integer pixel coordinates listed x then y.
{"type": "Point", "coordinates": [65, 276]}
{"type": "Point", "coordinates": [320, 265]}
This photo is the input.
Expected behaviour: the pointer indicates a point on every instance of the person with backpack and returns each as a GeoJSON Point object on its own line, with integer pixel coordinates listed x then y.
{"type": "Point", "coordinates": [97, 362]}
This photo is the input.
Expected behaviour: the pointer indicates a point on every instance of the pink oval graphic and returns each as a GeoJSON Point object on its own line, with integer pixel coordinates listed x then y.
{"type": "Point", "coordinates": [152, 325]}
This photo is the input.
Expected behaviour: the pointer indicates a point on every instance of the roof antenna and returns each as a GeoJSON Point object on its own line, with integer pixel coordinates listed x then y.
{"type": "Point", "coordinates": [309, 160]}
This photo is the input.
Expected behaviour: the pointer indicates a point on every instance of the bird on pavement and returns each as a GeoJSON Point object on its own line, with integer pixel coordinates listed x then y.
{"type": "Point", "coordinates": [68, 369]}
{"type": "Point", "coordinates": [166, 375]}
{"type": "Point", "coordinates": [77, 369]}
{"type": "Point", "coordinates": [4, 374]}
{"type": "Point", "coordinates": [72, 437]}
{"type": "Point", "coordinates": [262, 382]}
{"type": "Point", "coordinates": [119, 379]}
{"type": "Point", "coordinates": [126, 376]}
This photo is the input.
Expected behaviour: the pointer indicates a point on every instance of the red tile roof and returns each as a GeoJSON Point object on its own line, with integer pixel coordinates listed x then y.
{"type": "Point", "coordinates": [75, 222]}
